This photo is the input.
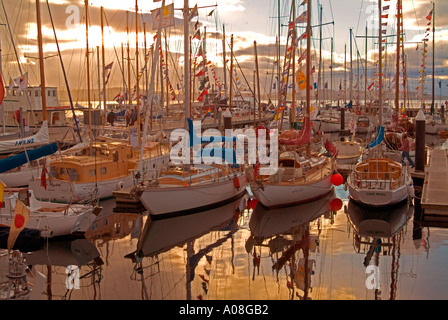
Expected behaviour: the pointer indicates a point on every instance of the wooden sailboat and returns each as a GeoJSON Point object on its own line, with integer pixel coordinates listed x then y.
{"type": "Point", "coordinates": [380, 181]}
{"type": "Point", "coordinates": [302, 175]}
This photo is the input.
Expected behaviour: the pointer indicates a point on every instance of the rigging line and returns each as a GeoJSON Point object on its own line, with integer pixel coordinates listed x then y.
{"type": "Point", "coordinates": [115, 51]}
{"type": "Point", "coordinates": [359, 16]}
{"type": "Point", "coordinates": [65, 75]}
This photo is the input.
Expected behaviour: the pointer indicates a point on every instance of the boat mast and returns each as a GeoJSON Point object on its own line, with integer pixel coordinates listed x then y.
{"type": "Point", "coordinates": [294, 41]}
{"type": "Point", "coordinates": [224, 58]}
{"type": "Point", "coordinates": [380, 62]}
{"type": "Point", "coordinates": [187, 101]}
{"type": "Point", "coordinates": [351, 67]}
{"type": "Point", "coordinates": [151, 91]}
{"type": "Point", "coordinates": [433, 55]}
{"type": "Point", "coordinates": [397, 76]}
{"type": "Point", "coordinates": [308, 65]}
{"type": "Point", "coordinates": [86, 5]}
{"type": "Point", "coordinates": [41, 61]}
{"type": "Point", "coordinates": [137, 71]}
{"type": "Point", "coordinates": [102, 57]}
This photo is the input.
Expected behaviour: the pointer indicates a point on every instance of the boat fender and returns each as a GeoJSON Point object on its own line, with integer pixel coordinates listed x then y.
{"type": "Point", "coordinates": [236, 183]}
{"type": "Point", "coordinates": [120, 185]}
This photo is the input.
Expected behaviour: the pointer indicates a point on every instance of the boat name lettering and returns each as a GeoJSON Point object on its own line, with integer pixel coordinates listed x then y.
{"type": "Point", "coordinates": [25, 141]}
{"type": "Point", "coordinates": [375, 194]}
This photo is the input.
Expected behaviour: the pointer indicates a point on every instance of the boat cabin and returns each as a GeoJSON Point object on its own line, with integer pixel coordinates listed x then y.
{"type": "Point", "coordinates": [101, 162]}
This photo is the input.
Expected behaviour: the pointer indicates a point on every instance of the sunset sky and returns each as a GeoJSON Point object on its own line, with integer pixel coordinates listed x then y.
{"type": "Point", "coordinates": [246, 20]}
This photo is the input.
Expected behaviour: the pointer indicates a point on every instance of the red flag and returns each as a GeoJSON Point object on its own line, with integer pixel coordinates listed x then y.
{"type": "Point", "coordinates": [201, 96]}
{"type": "Point", "coordinates": [43, 178]}
{"type": "Point", "coordinates": [331, 148]}
{"type": "Point", "coordinates": [2, 89]}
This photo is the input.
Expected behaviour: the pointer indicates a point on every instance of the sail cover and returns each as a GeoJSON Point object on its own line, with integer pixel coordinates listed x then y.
{"type": "Point", "coordinates": [12, 162]}
{"type": "Point", "coordinates": [39, 139]}
{"type": "Point", "coordinates": [378, 138]}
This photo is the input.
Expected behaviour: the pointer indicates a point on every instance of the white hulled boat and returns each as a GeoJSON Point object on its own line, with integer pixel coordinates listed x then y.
{"type": "Point", "coordinates": [52, 219]}
{"type": "Point", "coordinates": [195, 188]}
{"type": "Point", "coordinates": [380, 181]}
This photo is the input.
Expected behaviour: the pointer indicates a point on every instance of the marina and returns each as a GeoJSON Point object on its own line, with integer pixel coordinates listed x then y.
{"type": "Point", "coordinates": [190, 165]}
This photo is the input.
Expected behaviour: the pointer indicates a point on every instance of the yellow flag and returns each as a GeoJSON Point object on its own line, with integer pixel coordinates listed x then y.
{"type": "Point", "coordinates": [21, 217]}
{"type": "Point", "coordinates": [301, 80]}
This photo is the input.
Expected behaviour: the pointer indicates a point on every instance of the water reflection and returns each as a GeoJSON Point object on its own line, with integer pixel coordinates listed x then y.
{"type": "Point", "coordinates": [288, 238]}
{"type": "Point", "coordinates": [242, 251]}
{"type": "Point", "coordinates": [378, 234]}
{"type": "Point", "coordinates": [163, 235]}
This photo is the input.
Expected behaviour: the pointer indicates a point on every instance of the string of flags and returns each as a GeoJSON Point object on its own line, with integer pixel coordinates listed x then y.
{"type": "Point", "coordinates": [421, 86]}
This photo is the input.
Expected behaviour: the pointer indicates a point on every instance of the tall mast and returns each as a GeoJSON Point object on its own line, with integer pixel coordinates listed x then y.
{"type": "Point", "coordinates": [433, 55]}
{"type": "Point", "coordinates": [41, 62]}
{"type": "Point", "coordinates": [86, 4]}
{"type": "Point", "coordinates": [294, 45]}
{"type": "Point", "coordinates": [365, 74]}
{"type": "Point", "coordinates": [137, 71]}
{"type": "Point", "coordinates": [308, 58]}
{"type": "Point", "coordinates": [102, 57]}
{"type": "Point", "coordinates": [319, 79]}
{"type": "Point", "coordinates": [129, 61]}
{"type": "Point", "coordinates": [224, 58]}
{"type": "Point", "coordinates": [380, 65]}
{"type": "Point", "coordinates": [155, 54]}
{"type": "Point", "coordinates": [351, 67]}
{"type": "Point", "coordinates": [331, 73]}
{"type": "Point", "coordinates": [187, 102]}
{"type": "Point", "coordinates": [397, 76]}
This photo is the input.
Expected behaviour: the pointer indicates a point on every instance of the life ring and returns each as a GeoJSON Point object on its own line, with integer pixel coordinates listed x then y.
{"type": "Point", "coordinates": [120, 185]}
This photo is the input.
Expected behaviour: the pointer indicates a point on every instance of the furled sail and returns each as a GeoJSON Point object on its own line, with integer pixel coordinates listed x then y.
{"type": "Point", "coordinates": [12, 162]}
{"type": "Point", "coordinates": [39, 139]}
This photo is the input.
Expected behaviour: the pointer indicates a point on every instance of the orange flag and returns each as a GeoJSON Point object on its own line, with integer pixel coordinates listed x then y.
{"type": "Point", "coordinates": [2, 190]}
{"type": "Point", "coordinates": [21, 217]}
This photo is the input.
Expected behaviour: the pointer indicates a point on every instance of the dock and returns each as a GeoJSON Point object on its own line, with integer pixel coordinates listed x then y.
{"type": "Point", "coordinates": [434, 200]}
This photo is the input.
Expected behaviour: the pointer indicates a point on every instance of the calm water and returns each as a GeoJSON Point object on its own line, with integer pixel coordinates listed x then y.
{"type": "Point", "coordinates": [326, 250]}
{"type": "Point", "coordinates": [234, 252]}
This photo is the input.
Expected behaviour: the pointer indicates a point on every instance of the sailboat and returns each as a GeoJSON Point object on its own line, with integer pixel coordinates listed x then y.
{"type": "Point", "coordinates": [196, 187]}
{"type": "Point", "coordinates": [51, 219]}
{"type": "Point", "coordinates": [302, 175]}
{"type": "Point", "coordinates": [380, 181]}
